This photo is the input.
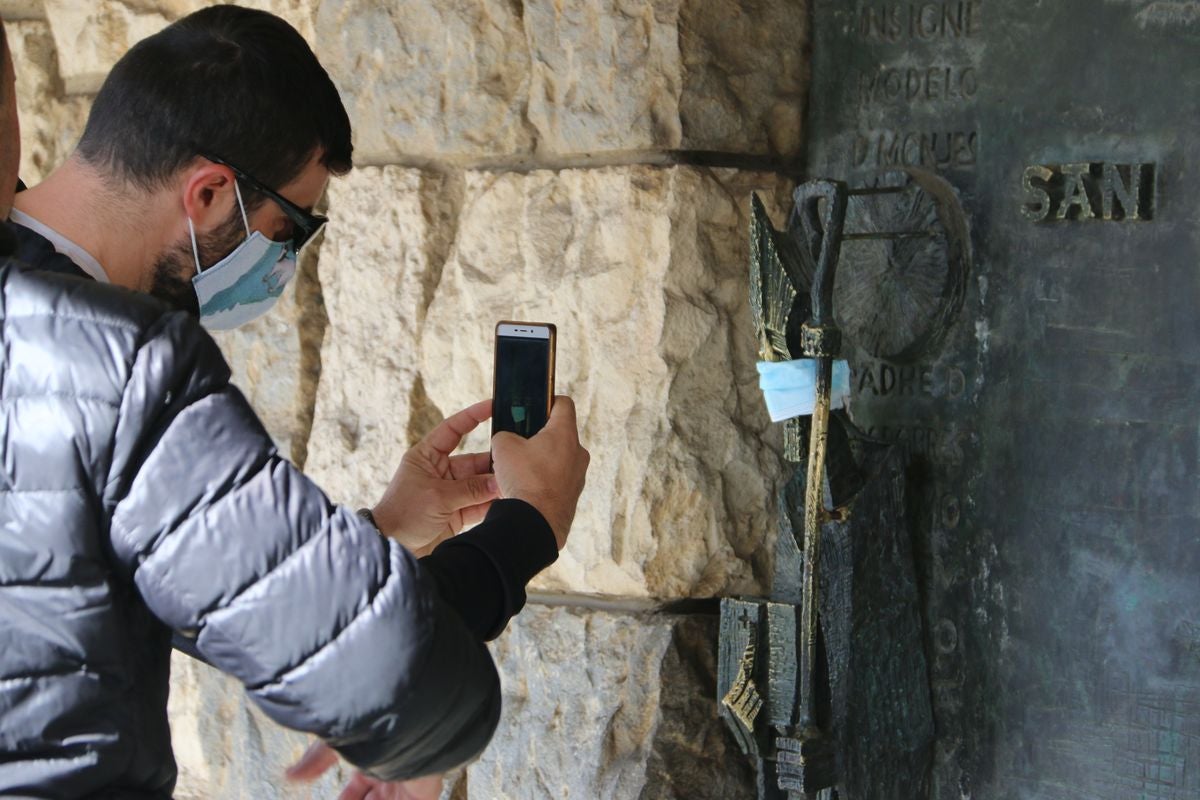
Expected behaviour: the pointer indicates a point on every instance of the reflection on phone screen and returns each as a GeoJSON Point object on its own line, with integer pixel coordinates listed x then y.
{"type": "Point", "coordinates": [522, 375]}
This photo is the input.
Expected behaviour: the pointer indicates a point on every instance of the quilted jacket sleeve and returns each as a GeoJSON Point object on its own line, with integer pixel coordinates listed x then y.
{"type": "Point", "coordinates": [332, 628]}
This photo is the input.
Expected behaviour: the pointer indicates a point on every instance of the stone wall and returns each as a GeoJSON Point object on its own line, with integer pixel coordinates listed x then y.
{"type": "Point", "coordinates": [587, 162]}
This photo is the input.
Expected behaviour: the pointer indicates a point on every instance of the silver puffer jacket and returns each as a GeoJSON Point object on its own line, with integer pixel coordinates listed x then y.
{"type": "Point", "coordinates": [140, 496]}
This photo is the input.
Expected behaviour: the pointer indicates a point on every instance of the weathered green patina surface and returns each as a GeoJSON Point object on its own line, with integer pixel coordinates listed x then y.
{"type": "Point", "coordinates": [1053, 424]}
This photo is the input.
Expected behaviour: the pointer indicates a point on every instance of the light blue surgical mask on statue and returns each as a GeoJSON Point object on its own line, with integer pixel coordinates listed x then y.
{"type": "Point", "coordinates": [245, 284]}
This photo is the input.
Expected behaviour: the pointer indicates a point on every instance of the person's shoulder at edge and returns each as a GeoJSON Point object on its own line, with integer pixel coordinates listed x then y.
{"type": "Point", "coordinates": [27, 291]}
{"type": "Point", "coordinates": [65, 291]}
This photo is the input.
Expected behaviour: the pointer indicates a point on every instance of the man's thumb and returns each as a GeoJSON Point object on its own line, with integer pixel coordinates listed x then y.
{"type": "Point", "coordinates": [504, 440]}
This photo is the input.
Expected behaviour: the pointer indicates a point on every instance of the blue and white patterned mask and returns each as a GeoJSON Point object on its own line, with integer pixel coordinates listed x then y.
{"type": "Point", "coordinates": [245, 284]}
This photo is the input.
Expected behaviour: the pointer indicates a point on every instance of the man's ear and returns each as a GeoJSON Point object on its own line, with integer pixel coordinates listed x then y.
{"type": "Point", "coordinates": [208, 194]}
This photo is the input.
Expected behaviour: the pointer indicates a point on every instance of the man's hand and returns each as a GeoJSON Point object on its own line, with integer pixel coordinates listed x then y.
{"type": "Point", "coordinates": [547, 470]}
{"type": "Point", "coordinates": [433, 494]}
{"type": "Point", "coordinates": [319, 757]}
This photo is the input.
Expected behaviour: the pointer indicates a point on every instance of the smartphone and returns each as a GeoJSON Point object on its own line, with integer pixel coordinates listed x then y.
{"type": "Point", "coordinates": [523, 377]}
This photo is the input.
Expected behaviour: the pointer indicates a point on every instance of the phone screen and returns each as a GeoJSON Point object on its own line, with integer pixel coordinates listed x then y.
{"type": "Point", "coordinates": [522, 382]}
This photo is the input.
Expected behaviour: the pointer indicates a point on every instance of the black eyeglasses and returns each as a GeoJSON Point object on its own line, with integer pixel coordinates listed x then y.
{"type": "Point", "coordinates": [306, 225]}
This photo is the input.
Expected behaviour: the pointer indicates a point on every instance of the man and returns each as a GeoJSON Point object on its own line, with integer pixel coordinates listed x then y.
{"type": "Point", "coordinates": [141, 499]}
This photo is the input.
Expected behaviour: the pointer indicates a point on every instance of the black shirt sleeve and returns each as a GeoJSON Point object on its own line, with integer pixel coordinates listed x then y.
{"type": "Point", "coordinates": [482, 573]}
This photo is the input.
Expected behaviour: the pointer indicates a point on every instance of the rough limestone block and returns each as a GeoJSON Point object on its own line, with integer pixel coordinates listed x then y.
{"type": "Point", "coordinates": [13, 10]}
{"type": "Point", "coordinates": [599, 704]}
{"type": "Point", "coordinates": [694, 755]}
{"type": "Point", "coordinates": [596, 704]}
{"type": "Point", "coordinates": [542, 78]}
{"type": "Point", "coordinates": [225, 747]}
{"type": "Point", "coordinates": [375, 270]}
{"type": "Point", "coordinates": [268, 366]}
{"type": "Point", "coordinates": [604, 74]}
{"type": "Point", "coordinates": [51, 123]}
{"type": "Point", "coordinates": [428, 78]}
{"type": "Point", "coordinates": [745, 68]}
{"type": "Point", "coordinates": [644, 270]}
{"type": "Point", "coordinates": [92, 35]}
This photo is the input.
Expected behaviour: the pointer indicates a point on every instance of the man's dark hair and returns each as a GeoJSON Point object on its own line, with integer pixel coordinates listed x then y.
{"type": "Point", "coordinates": [233, 82]}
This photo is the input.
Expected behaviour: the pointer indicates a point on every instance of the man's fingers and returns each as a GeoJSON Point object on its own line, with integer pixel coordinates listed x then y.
{"type": "Point", "coordinates": [427, 788]}
{"type": "Point", "coordinates": [357, 788]}
{"type": "Point", "coordinates": [473, 515]}
{"type": "Point", "coordinates": [450, 432]}
{"type": "Point", "coordinates": [465, 465]}
{"type": "Point", "coordinates": [361, 787]}
{"type": "Point", "coordinates": [426, 549]}
{"type": "Point", "coordinates": [469, 492]}
{"type": "Point", "coordinates": [318, 758]}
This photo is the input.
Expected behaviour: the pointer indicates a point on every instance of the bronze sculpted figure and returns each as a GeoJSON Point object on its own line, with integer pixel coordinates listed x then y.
{"type": "Point", "coordinates": [825, 683]}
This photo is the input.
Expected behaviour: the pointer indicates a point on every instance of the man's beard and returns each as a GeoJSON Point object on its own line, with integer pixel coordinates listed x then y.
{"type": "Point", "coordinates": [171, 280]}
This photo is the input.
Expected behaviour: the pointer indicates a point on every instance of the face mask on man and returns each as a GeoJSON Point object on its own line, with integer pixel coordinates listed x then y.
{"type": "Point", "coordinates": [245, 284]}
